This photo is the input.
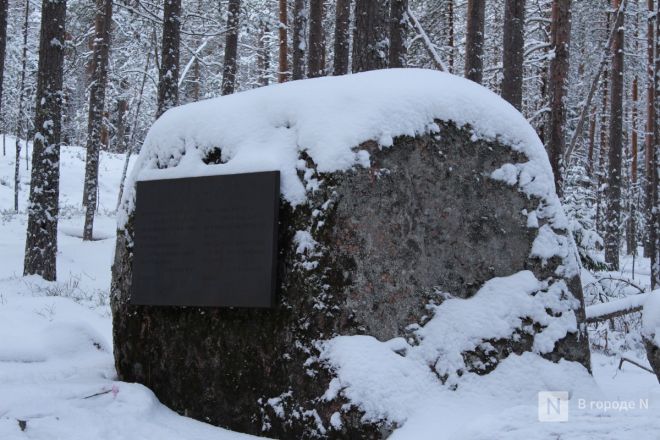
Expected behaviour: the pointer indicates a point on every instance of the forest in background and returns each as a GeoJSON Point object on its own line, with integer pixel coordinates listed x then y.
{"type": "Point", "coordinates": [584, 73]}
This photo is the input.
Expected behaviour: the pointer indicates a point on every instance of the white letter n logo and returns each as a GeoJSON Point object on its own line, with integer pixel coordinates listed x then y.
{"type": "Point", "coordinates": [553, 406]}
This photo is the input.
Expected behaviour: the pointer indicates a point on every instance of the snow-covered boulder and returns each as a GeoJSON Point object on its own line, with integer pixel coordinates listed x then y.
{"type": "Point", "coordinates": [418, 218]}
{"type": "Point", "coordinates": [651, 330]}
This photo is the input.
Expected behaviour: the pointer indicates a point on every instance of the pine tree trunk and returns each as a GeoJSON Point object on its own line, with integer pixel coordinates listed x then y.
{"type": "Point", "coordinates": [655, 172]}
{"type": "Point", "coordinates": [283, 59]}
{"type": "Point", "coordinates": [263, 56]}
{"type": "Point", "coordinates": [650, 126]}
{"type": "Point", "coordinates": [342, 36]}
{"type": "Point", "coordinates": [513, 51]}
{"type": "Point", "coordinates": [20, 126]}
{"type": "Point", "coordinates": [631, 230]}
{"type": "Point", "coordinates": [298, 43]}
{"type": "Point", "coordinates": [474, 40]}
{"type": "Point", "coordinates": [613, 192]}
{"type": "Point", "coordinates": [450, 35]}
{"type": "Point", "coordinates": [590, 154]}
{"type": "Point", "coordinates": [43, 210]}
{"type": "Point", "coordinates": [231, 48]}
{"type": "Point", "coordinates": [370, 35]}
{"type": "Point", "coordinates": [398, 33]}
{"type": "Point", "coordinates": [560, 33]}
{"type": "Point", "coordinates": [95, 124]}
{"type": "Point", "coordinates": [168, 78]}
{"type": "Point", "coordinates": [120, 136]}
{"type": "Point", "coordinates": [4, 6]}
{"type": "Point", "coordinates": [316, 46]}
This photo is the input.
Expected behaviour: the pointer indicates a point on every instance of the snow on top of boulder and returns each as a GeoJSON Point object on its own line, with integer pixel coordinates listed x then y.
{"type": "Point", "coordinates": [328, 118]}
{"type": "Point", "coordinates": [651, 317]}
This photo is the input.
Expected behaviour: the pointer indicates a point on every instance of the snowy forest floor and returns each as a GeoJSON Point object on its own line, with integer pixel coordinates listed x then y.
{"type": "Point", "coordinates": [57, 377]}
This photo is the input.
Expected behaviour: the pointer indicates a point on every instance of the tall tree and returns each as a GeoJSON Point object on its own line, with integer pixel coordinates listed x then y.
{"type": "Point", "coordinates": [263, 55]}
{"type": "Point", "coordinates": [613, 192]}
{"type": "Point", "coordinates": [650, 124]}
{"type": "Point", "coordinates": [370, 35]}
{"type": "Point", "coordinates": [283, 73]}
{"type": "Point", "coordinates": [20, 126]}
{"type": "Point", "coordinates": [95, 121]}
{"type": "Point", "coordinates": [449, 11]}
{"type": "Point", "coordinates": [631, 229]}
{"type": "Point", "coordinates": [560, 33]}
{"type": "Point", "coordinates": [513, 51]}
{"type": "Point", "coordinates": [474, 40]}
{"type": "Point", "coordinates": [298, 40]}
{"type": "Point", "coordinates": [231, 48]}
{"type": "Point", "coordinates": [4, 6]}
{"type": "Point", "coordinates": [43, 209]}
{"type": "Point", "coordinates": [316, 46]}
{"type": "Point", "coordinates": [168, 78]}
{"type": "Point", "coordinates": [397, 32]}
{"type": "Point", "coordinates": [342, 36]}
{"type": "Point", "coordinates": [654, 226]}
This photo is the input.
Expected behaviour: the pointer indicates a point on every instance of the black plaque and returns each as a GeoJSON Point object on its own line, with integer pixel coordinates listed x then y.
{"type": "Point", "coordinates": [206, 241]}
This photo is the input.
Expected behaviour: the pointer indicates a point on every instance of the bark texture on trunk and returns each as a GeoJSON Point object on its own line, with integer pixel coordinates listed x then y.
{"type": "Point", "coordinates": [43, 211]}
{"type": "Point", "coordinates": [283, 59]}
{"type": "Point", "coordinates": [20, 125]}
{"type": "Point", "coordinates": [231, 48]}
{"type": "Point", "coordinates": [398, 33]}
{"type": "Point", "coordinates": [474, 40]}
{"type": "Point", "coordinates": [560, 32]}
{"type": "Point", "coordinates": [95, 121]}
{"type": "Point", "coordinates": [4, 6]}
{"type": "Point", "coordinates": [298, 43]}
{"type": "Point", "coordinates": [655, 171]}
{"type": "Point", "coordinates": [342, 37]}
{"type": "Point", "coordinates": [612, 224]}
{"type": "Point", "coordinates": [316, 46]}
{"type": "Point", "coordinates": [649, 139]}
{"type": "Point", "coordinates": [168, 78]}
{"type": "Point", "coordinates": [370, 35]}
{"type": "Point", "coordinates": [513, 52]}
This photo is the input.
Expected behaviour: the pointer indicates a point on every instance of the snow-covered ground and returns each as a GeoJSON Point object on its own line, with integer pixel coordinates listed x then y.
{"type": "Point", "coordinates": [57, 377]}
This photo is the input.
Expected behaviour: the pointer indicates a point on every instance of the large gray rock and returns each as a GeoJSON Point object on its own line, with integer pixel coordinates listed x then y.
{"type": "Point", "coordinates": [425, 217]}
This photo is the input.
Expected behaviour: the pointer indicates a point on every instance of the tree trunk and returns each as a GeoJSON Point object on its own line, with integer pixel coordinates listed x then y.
{"type": "Point", "coordinates": [655, 173]}
{"type": "Point", "coordinates": [316, 55]}
{"type": "Point", "coordinates": [283, 73]}
{"type": "Point", "coordinates": [263, 56]}
{"type": "Point", "coordinates": [43, 210]}
{"type": "Point", "coordinates": [613, 192]}
{"type": "Point", "coordinates": [560, 34]}
{"type": "Point", "coordinates": [231, 48]}
{"type": "Point", "coordinates": [370, 35]}
{"type": "Point", "coordinates": [474, 40]}
{"type": "Point", "coordinates": [590, 154]}
{"type": "Point", "coordinates": [631, 230]}
{"type": "Point", "coordinates": [398, 33]}
{"type": "Point", "coordinates": [298, 55]}
{"type": "Point", "coordinates": [95, 124]}
{"type": "Point", "coordinates": [342, 36]}
{"type": "Point", "coordinates": [4, 5]}
{"type": "Point", "coordinates": [168, 78]}
{"type": "Point", "coordinates": [120, 136]}
{"type": "Point", "coordinates": [649, 139]}
{"type": "Point", "coordinates": [513, 51]}
{"type": "Point", "coordinates": [450, 35]}
{"type": "Point", "coordinates": [20, 126]}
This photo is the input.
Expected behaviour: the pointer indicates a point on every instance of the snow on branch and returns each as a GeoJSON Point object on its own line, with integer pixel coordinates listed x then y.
{"type": "Point", "coordinates": [612, 309]}
{"type": "Point", "coordinates": [430, 48]}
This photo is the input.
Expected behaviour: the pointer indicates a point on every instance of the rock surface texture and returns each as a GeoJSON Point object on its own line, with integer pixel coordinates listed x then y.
{"type": "Point", "coordinates": [373, 247]}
